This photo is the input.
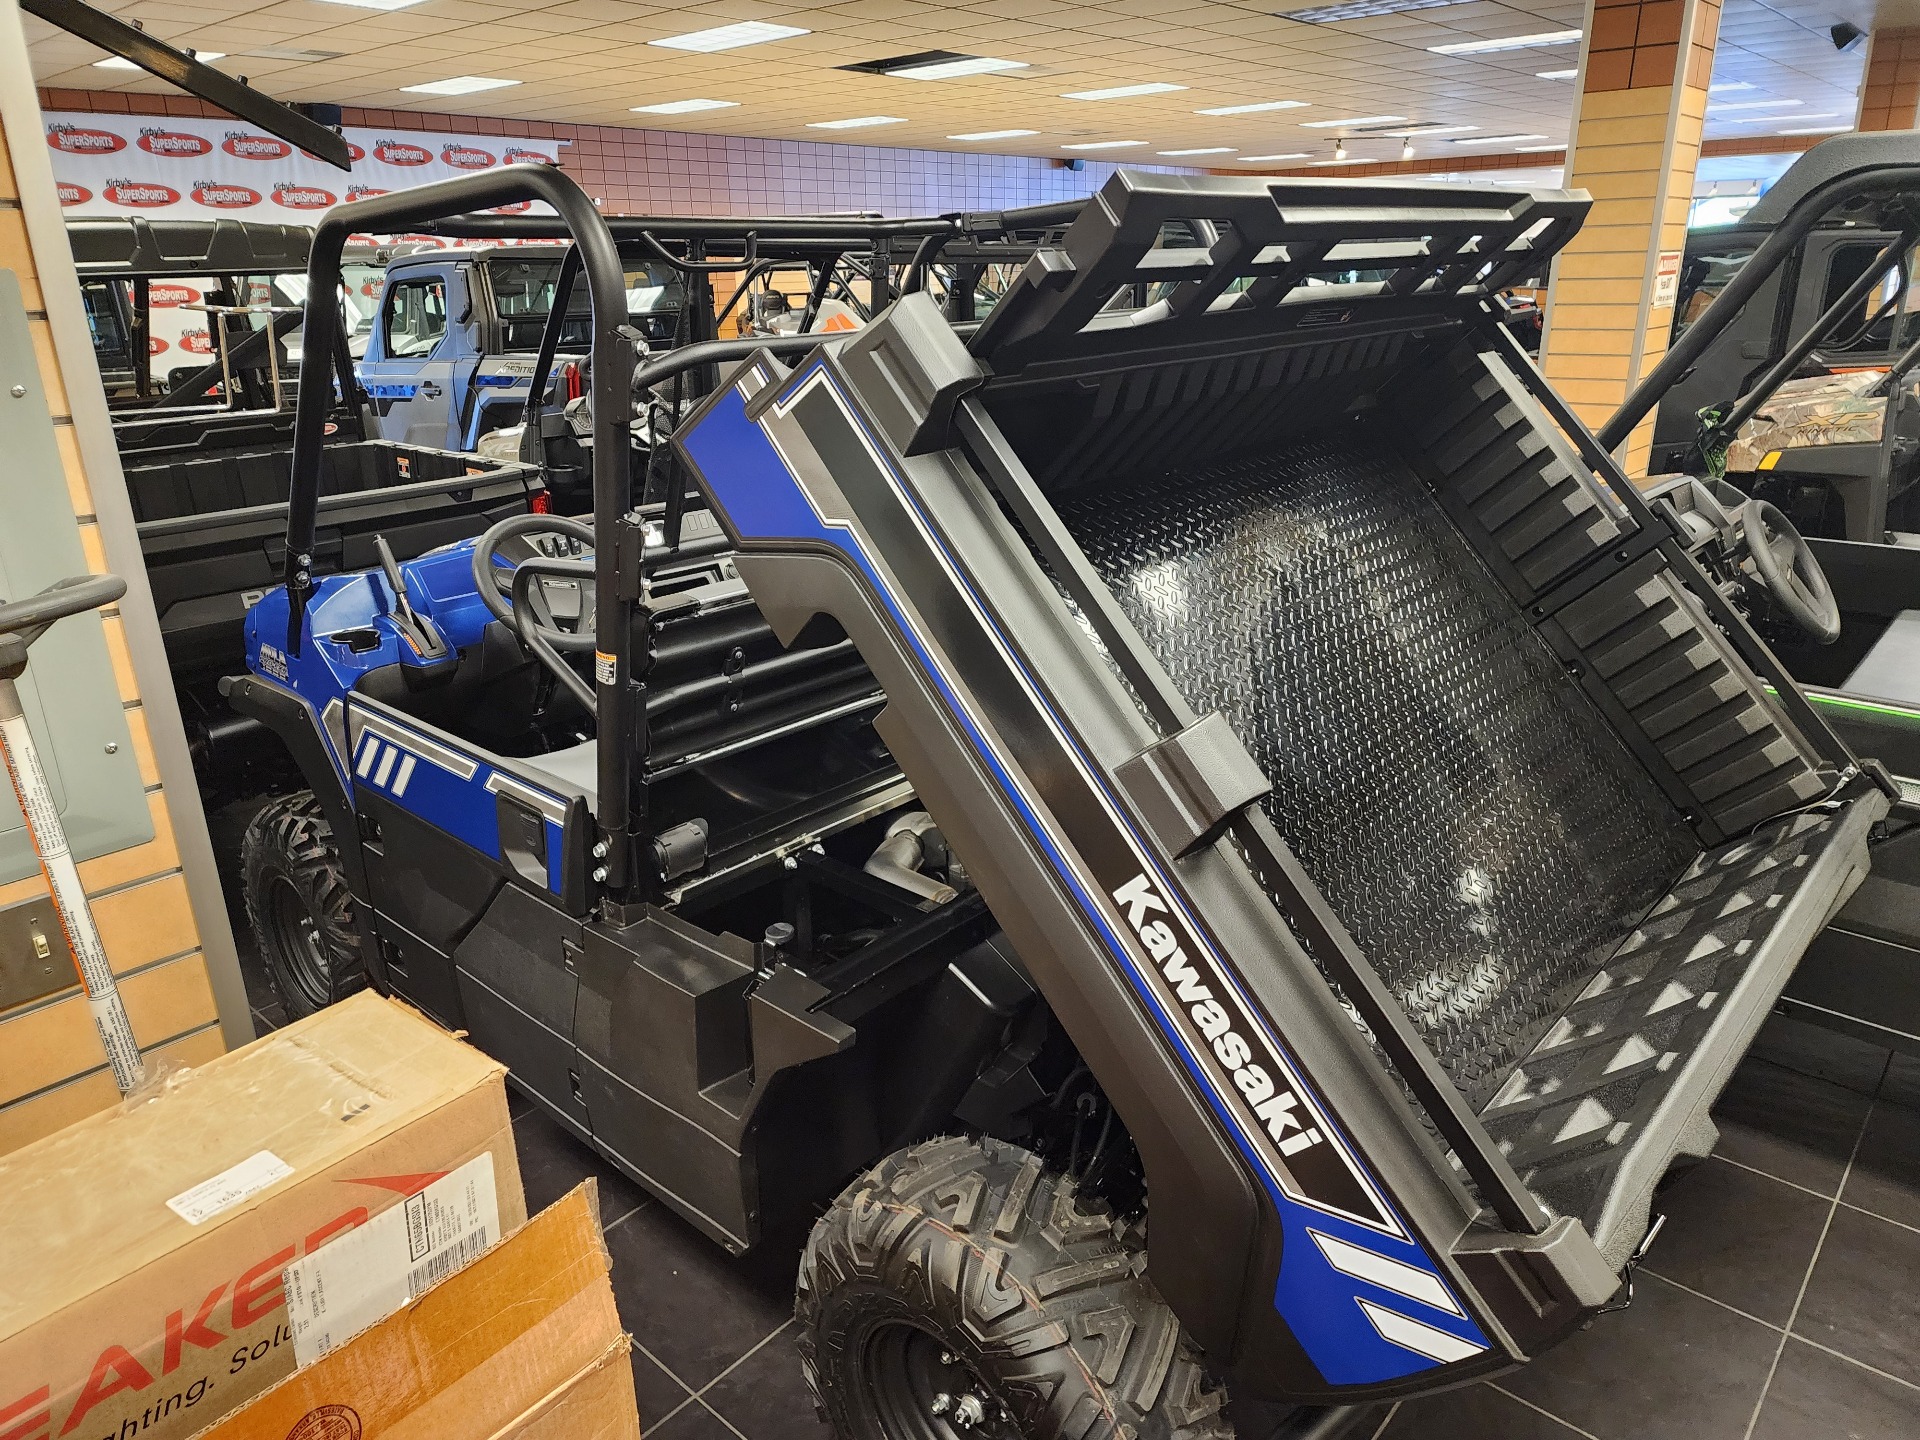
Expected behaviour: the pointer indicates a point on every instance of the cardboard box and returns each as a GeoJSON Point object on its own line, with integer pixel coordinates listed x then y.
{"type": "Point", "coordinates": [523, 1343]}
{"type": "Point", "coordinates": [142, 1248]}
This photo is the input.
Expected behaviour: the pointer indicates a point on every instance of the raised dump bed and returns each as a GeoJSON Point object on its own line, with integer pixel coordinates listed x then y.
{"type": "Point", "coordinates": [1372, 782]}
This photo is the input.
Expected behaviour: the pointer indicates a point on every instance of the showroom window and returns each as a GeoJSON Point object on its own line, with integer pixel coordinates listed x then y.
{"type": "Point", "coordinates": [416, 317]}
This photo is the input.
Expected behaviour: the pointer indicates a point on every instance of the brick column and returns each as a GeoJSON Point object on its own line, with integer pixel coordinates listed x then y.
{"type": "Point", "coordinates": [1635, 143]}
{"type": "Point", "coordinates": [1890, 89]}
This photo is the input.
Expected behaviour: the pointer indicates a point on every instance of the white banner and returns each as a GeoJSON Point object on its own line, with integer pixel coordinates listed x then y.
{"type": "Point", "coordinates": [202, 169]}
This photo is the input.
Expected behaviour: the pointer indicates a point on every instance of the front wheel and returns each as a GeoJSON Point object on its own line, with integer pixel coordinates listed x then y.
{"type": "Point", "coordinates": [961, 1291]}
{"type": "Point", "coordinates": [299, 906]}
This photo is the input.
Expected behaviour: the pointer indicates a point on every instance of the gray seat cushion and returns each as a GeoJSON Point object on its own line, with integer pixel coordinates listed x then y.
{"type": "Point", "coordinates": [1891, 670]}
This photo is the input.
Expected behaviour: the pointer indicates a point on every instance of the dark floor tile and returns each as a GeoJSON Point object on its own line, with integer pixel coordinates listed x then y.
{"type": "Point", "coordinates": [696, 1422]}
{"type": "Point", "coordinates": [1789, 1125]}
{"type": "Point", "coordinates": [1671, 1367]}
{"type": "Point", "coordinates": [1901, 1084]}
{"type": "Point", "coordinates": [764, 1396]}
{"type": "Point", "coordinates": [552, 1162]}
{"type": "Point", "coordinates": [1864, 1296]}
{"type": "Point", "coordinates": [1886, 1172]}
{"type": "Point", "coordinates": [1740, 1237]}
{"type": "Point", "coordinates": [1477, 1413]}
{"type": "Point", "coordinates": [1825, 1054]}
{"type": "Point", "coordinates": [1816, 1394]}
{"type": "Point", "coordinates": [695, 1310]}
{"type": "Point", "coordinates": [657, 1393]}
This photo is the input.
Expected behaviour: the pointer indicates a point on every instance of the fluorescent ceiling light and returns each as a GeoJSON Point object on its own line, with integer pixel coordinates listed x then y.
{"type": "Point", "coordinates": [1817, 130]}
{"type": "Point", "coordinates": [116, 62]}
{"type": "Point", "coordinates": [993, 135]}
{"type": "Point", "coordinates": [1758, 105]}
{"type": "Point", "coordinates": [1348, 160]}
{"type": "Point", "coordinates": [858, 122]}
{"type": "Point", "coordinates": [1536, 149]}
{"type": "Point", "coordinates": [1122, 92]}
{"type": "Point", "coordinates": [1103, 145]}
{"type": "Point", "coordinates": [1776, 119]}
{"type": "Point", "coordinates": [1358, 10]}
{"type": "Point", "coordinates": [682, 107]}
{"type": "Point", "coordinates": [729, 37]}
{"type": "Point", "coordinates": [1351, 120]}
{"type": "Point", "coordinates": [1727, 87]}
{"type": "Point", "coordinates": [1496, 139]}
{"type": "Point", "coordinates": [1255, 109]}
{"type": "Point", "coordinates": [952, 69]}
{"type": "Point", "coordinates": [459, 85]}
{"type": "Point", "coordinates": [1203, 150]}
{"type": "Point", "coordinates": [1555, 74]}
{"type": "Point", "coordinates": [1414, 132]}
{"type": "Point", "coordinates": [1507, 42]}
{"type": "Point", "coordinates": [375, 4]}
{"type": "Point", "coordinates": [1290, 155]}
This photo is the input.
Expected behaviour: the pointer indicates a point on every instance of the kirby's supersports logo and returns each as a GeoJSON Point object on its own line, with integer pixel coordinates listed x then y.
{"type": "Point", "coordinates": [302, 197]}
{"type": "Point", "coordinates": [244, 146]}
{"type": "Point", "coordinates": [139, 194]}
{"type": "Point", "coordinates": [217, 196]}
{"type": "Point", "coordinates": [77, 140]}
{"type": "Point", "coordinates": [71, 194]}
{"type": "Point", "coordinates": [164, 295]}
{"type": "Point", "coordinates": [467, 157]}
{"type": "Point", "coordinates": [514, 155]}
{"type": "Point", "coordinates": [400, 152]}
{"type": "Point", "coordinates": [173, 143]}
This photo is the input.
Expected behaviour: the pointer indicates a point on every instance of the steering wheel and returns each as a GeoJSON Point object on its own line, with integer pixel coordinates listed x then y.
{"type": "Point", "coordinates": [561, 608]}
{"type": "Point", "coordinates": [1784, 567]}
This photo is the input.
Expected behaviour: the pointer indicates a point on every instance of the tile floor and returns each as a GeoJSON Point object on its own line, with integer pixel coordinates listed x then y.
{"type": "Point", "coordinates": [1780, 1302]}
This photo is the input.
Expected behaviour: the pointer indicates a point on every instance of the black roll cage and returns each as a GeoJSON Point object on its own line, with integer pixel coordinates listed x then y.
{"type": "Point", "coordinates": [1801, 219]}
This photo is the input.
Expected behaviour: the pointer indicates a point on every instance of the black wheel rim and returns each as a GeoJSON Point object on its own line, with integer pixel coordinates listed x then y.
{"type": "Point", "coordinates": [299, 952]}
{"type": "Point", "coordinates": [918, 1389]}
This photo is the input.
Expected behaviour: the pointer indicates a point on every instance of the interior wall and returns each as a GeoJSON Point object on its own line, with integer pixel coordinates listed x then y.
{"type": "Point", "coordinates": [158, 905]}
{"type": "Point", "coordinates": [636, 171]}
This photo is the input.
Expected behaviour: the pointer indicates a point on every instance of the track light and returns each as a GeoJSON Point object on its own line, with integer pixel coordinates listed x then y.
{"type": "Point", "coordinates": [1406, 150]}
{"type": "Point", "coordinates": [1339, 149]}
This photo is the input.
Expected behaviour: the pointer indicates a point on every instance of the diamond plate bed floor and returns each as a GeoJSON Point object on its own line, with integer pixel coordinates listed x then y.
{"type": "Point", "coordinates": [1474, 821]}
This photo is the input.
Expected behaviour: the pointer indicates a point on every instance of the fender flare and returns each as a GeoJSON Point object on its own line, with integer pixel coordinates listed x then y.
{"type": "Point", "coordinates": [300, 729]}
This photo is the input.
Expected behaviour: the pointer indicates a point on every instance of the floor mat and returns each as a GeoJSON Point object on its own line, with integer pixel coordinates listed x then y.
{"type": "Point", "coordinates": [1475, 822]}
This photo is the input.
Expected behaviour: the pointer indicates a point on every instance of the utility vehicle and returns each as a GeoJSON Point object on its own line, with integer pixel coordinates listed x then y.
{"type": "Point", "coordinates": [1213, 840]}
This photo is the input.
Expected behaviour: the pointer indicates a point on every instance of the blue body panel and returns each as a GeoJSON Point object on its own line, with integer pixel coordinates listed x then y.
{"type": "Point", "coordinates": [1358, 1301]}
{"type": "Point", "coordinates": [451, 787]}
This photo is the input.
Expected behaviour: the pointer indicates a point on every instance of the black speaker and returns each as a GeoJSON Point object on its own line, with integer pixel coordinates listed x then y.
{"type": "Point", "coordinates": [318, 111]}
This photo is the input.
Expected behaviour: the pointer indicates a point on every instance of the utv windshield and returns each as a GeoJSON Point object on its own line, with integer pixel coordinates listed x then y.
{"type": "Point", "coordinates": [523, 294]}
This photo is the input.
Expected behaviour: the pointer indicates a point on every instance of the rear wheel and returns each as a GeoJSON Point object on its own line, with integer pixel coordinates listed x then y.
{"type": "Point", "coordinates": [298, 904]}
{"type": "Point", "coordinates": [960, 1291]}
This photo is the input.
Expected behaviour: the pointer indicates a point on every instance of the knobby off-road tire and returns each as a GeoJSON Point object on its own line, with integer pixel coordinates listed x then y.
{"type": "Point", "coordinates": [962, 1266]}
{"type": "Point", "coordinates": [298, 904]}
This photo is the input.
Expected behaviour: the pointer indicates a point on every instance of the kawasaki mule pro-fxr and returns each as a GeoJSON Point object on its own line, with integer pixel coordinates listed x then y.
{"type": "Point", "coordinates": [1202, 808]}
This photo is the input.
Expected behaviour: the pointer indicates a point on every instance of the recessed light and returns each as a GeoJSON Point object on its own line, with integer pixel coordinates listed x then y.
{"type": "Point", "coordinates": [1817, 130]}
{"type": "Point", "coordinates": [375, 4]}
{"type": "Point", "coordinates": [1257, 107]}
{"type": "Point", "coordinates": [682, 107]}
{"type": "Point", "coordinates": [1555, 74]}
{"type": "Point", "coordinates": [1290, 155]}
{"type": "Point", "coordinates": [1351, 120]}
{"type": "Point", "coordinates": [1121, 92]}
{"type": "Point", "coordinates": [730, 37]}
{"type": "Point", "coordinates": [1103, 145]}
{"type": "Point", "coordinates": [1495, 139]}
{"type": "Point", "coordinates": [459, 85]}
{"type": "Point", "coordinates": [1758, 105]}
{"type": "Point", "coordinates": [1507, 42]}
{"type": "Point", "coordinates": [1203, 150]}
{"type": "Point", "coordinates": [993, 135]}
{"type": "Point", "coordinates": [1358, 10]}
{"type": "Point", "coordinates": [858, 122]}
{"type": "Point", "coordinates": [953, 69]}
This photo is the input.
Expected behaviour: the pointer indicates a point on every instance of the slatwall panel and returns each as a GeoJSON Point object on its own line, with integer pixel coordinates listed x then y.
{"type": "Point", "coordinates": [52, 1068]}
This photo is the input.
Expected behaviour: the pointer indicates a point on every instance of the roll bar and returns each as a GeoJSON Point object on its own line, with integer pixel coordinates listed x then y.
{"type": "Point", "coordinates": [1771, 254]}
{"type": "Point", "coordinates": [613, 358]}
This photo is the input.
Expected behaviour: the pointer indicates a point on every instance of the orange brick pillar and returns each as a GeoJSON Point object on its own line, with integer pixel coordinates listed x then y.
{"type": "Point", "coordinates": [1890, 90]}
{"type": "Point", "coordinates": [1635, 141]}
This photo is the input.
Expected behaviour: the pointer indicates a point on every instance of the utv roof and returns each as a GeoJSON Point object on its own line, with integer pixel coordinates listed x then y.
{"type": "Point", "coordinates": [428, 254]}
{"type": "Point", "coordinates": [133, 246]}
{"type": "Point", "coordinates": [1829, 160]}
